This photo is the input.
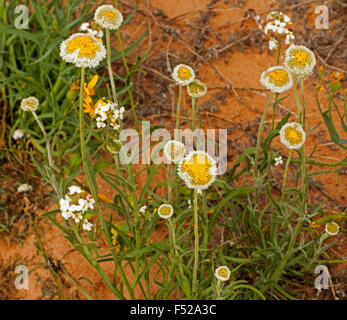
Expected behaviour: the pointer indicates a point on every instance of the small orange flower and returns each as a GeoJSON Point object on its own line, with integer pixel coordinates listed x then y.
{"type": "Point", "coordinates": [314, 225]}
{"type": "Point", "coordinates": [336, 76]}
{"type": "Point", "coordinates": [75, 86]}
{"type": "Point", "coordinates": [89, 88]}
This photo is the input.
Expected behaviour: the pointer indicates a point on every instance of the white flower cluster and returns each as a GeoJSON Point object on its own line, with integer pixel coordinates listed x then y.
{"type": "Point", "coordinates": [278, 24]}
{"type": "Point", "coordinates": [74, 205]}
{"type": "Point", "coordinates": [85, 27]}
{"type": "Point", "coordinates": [106, 111]}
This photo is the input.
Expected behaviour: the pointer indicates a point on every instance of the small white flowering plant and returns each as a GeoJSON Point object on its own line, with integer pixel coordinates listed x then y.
{"type": "Point", "coordinates": [76, 206]}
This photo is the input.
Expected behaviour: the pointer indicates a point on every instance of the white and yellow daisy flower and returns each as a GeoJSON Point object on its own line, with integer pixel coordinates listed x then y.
{"type": "Point", "coordinates": [183, 74]}
{"type": "Point", "coordinates": [197, 89]}
{"type": "Point", "coordinates": [332, 228]}
{"type": "Point", "coordinates": [174, 150]}
{"type": "Point", "coordinates": [222, 273]}
{"type": "Point", "coordinates": [165, 211]}
{"type": "Point", "coordinates": [277, 79]}
{"type": "Point", "coordinates": [300, 61]}
{"type": "Point", "coordinates": [198, 170]}
{"type": "Point", "coordinates": [108, 17]}
{"type": "Point", "coordinates": [292, 135]}
{"type": "Point", "coordinates": [29, 104]}
{"type": "Point", "coordinates": [83, 50]}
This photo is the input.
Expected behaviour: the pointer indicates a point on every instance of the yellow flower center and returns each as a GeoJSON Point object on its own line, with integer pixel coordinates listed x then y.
{"type": "Point", "coordinates": [292, 135]}
{"type": "Point", "coordinates": [88, 47]}
{"type": "Point", "coordinates": [223, 272]}
{"type": "Point", "coordinates": [165, 210]}
{"type": "Point", "coordinates": [332, 227]}
{"type": "Point", "coordinates": [110, 15]}
{"type": "Point", "coordinates": [31, 102]}
{"type": "Point", "coordinates": [184, 73]}
{"type": "Point", "coordinates": [278, 77]}
{"type": "Point", "coordinates": [300, 58]}
{"type": "Point", "coordinates": [198, 169]}
{"type": "Point", "coordinates": [196, 88]}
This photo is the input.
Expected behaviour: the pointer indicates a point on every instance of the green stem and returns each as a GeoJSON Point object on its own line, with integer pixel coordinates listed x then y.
{"type": "Point", "coordinates": [94, 193]}
{"type": "Point", "coordinates": [193, 113]}
{"type": "Point", "coordinates": [196, 247]}
{"type": "Point", "coordinates": [296, 97]}
{"type": "Point", "coordinates": [130, 91]}
{"type": "Point", "coordinates": [179, 107]}
{"type": "Point", "coordinates": [177, 258]}
{"type": "Point", "coordinates": [219, 287]}
{"type": "Point", "coordinates": [277, 94]}
{"type": "Point", "coordinates": [260, 131]}
{"type": "Point", "coordinates": [109, 66]}
{"type": "Point", "coordinates": [49, 154]}
{"type": "Point", "coordinates": [285, 175]}
{"type": "Point", "coordinates": [278, 50]}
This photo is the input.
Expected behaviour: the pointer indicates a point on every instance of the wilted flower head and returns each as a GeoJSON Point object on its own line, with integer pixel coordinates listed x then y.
{"type": "Point", "coordinates": [183, 74]}
{"type": "Point", "coordinates": [222, 273]}
{"type": "Point", "coordinates": [18, 134]}
{"type": "Point", "coordinates": [332, 228]}
{"type": "Point", "coordinates": [29, 104]}
{"type": "Point", "coordinates": [24, 188]}
{"type": "Point", "coordinates": [165, 211]}
{"type": "Point", "coordinates": [108, 17]}
{"type": "Point", "coordinates": [198, 170]}
{"type": "Point", "coordinates": [292, 135]}
{"type": "Point", "coordinates": [277, 79]}
{"type": "Point", "coordinates": [300, 61]}
{"type": "Point", "coordinates": [174, 150]}
{"type": "Point", "coordinates": [83, 50]}
{"type": "Point", "coordinates": [197, 89]}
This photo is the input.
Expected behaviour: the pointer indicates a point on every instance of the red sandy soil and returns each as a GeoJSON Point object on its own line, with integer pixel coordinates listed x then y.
{"type": "Point", "coordinates": [242, 69]}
